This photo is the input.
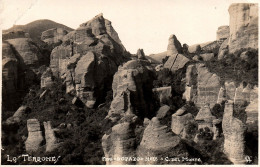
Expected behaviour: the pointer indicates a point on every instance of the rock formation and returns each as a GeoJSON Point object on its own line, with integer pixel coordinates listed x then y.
{"type": "Point", "coordinates": [163, 112]}
{"type": "Point", "coordinates": [18, 115]}
{"type": "Point", "coordinates": [234, 134]}
{"type": "Point", "coordinates": [180, 119]}
{"type": "Point", "coordinates": [243, 25]}
{"type": "Point", "coordinates": [176, 61]}
{"type": "Point", "coordinates": [47, 78]}
{"type": "Point", "coordinates": [9, 73]}
{"type": "Point", "coordinates": [51, 140]}
{"type": "Point", "coordinates": [53, 35]}
{"type": "Point", "coordinates": [120, 143]}
{"type": "Point", "coordinates": [88, 58]}
{"type": "Point", "coordinates": [35, 137]}
{"type": "Point", "coordinates": [140, 54]}
{"type": "Point", "coordinates": [174, 46]}
{"type": "Point", "coordinates": [202, 86]}
{"type": "Point", "coordinates": [205, 117]}
{"type": "Point", "coordinates": [131, 83]}
{"type": "Point", "coordinates": [160, 143]}
{"type": "Point", "coordinates": [222, 32]}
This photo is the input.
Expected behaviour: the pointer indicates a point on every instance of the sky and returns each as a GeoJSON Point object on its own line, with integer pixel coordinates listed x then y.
{"type": "Point", "coordinates": [145, 24]}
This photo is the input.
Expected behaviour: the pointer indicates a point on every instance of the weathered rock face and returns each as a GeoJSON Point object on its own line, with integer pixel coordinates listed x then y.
{"type": "Point", "coordinates": [131, 83]}
{"type": "Point", "coordinates": [14, 34]}
{"type": "Point", "coordinates": [163, 112]}
{"type": "Point", "coordinates": [59, 58]}
{"type": "Point", "coordinates": [120, 143]}
{"type": "Point", "coordinates": [15, 76]}
{"type": "Point", "coordinates": [222, 32]}
{"type": "Point", "coordinates": [202, 86]}
{"type": "Point", "coordinates": [53, 35]}
{"type": "Point", "coordinates": [174, 46]}
{"type": "Point", "coordinates": [234, 133]}
{"type": "Point", "coordinates": [179, 120]}
{"type": "Point", "coordinates": [28, 51]}
{"type": "Point", "coordinates": [176, 61]}
{"type": "Point", "coordinates": [211, 47]}
{"type": "Point", "coordinates": [51, 140]}
{"type": "Point", "coordinates": [35, 137]}
{"type": "Point", "coordinates": [243, 26]}
{"type": "Point", "coordinates": [47, 78]}
{"type": "Point", "coordinates": [88, 58]}
{"type": "Point", "coordinates": [10, 72]}
{"type": "Point", "coordinates": [18, 115]}
{"type": "Point", "coordinates": [163, 94]}
{"type": "Point", "coordinates": [98, 26]}
{"type": "Point", "coordinates": [158, 142]}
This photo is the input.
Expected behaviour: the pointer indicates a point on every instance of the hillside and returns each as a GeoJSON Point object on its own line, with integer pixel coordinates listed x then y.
{"type": "Point", "coordinates": [35, 28]}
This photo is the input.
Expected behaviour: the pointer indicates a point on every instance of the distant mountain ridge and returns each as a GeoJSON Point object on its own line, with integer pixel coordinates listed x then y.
{"type": "Point", "coordinates": [35, 28]}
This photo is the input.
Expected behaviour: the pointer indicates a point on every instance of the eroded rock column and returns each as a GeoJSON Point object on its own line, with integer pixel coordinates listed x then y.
{"type": "Point", "coordinates": [35, 138]}
{"type": "Point", "coordinates": [234, 133]}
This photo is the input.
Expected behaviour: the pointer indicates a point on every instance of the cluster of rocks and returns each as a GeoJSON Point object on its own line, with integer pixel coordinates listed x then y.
{"type": "Point", "coordinates": [35, 139]}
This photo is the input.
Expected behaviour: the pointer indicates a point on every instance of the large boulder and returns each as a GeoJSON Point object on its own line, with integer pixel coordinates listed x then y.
{"type": "Point", "coordinates": [132, 85]}
{"type": "Point", "coordinates": [234, 134]}
{"type": "Point", "coordinates": [223, 32]}
{"type": "Point", "coordinates": [163, 112]}
{"type": "Point", "coordinates": [158, 142]}
{"type": "Point", "coordinates": [53, 35]}
{"type": "Point", "coordinates": [243, 26]}
{"type": "Point", "coordinates": [35, 137]}
{"type": "Point", "coordinates": [176, 62]}
{"type": "Point", "coordinates": [18, 115]}
{"type": "Point", "coordinates": [179, 120]}
{"type": "Point", "coordinates": [120, 143]}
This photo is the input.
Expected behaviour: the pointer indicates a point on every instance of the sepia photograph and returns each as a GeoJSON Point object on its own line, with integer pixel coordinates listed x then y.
{"type": "Point", "coordinates": [133, 82]}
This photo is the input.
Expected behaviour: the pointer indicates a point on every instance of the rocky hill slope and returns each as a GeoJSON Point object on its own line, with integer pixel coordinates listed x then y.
{"type": "Point", "coordinates": [35, 28]}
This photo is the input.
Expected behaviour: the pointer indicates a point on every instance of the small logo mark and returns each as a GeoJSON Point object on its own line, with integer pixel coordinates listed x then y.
{"type": "Point", "coordinates": [248, 159]}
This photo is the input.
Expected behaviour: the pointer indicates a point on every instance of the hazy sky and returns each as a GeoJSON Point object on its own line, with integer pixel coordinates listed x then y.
{"type": "Point", "coordinates": [143, 24]}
